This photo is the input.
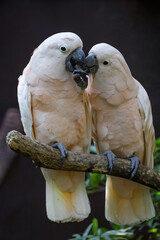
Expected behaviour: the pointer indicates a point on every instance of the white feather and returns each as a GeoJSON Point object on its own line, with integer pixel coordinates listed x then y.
{"type": "Point", "coordinates": [24, 100]}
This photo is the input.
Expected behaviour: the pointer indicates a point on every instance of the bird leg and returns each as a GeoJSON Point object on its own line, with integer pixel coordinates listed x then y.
{"type": "Point", "coordinates": [110, 156]}
{"type": "Point", "coordinates": [62, 149]}
{"type": "Point", "coordinates": [80, 78]}
{"type": "Point", "coordinates": [134, 165]}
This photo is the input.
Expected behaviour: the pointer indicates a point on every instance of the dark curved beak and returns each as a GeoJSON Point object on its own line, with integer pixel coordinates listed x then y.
{"type": "Point", "coordinates": [75, 64]}
{"type": "Point", "coordinates": [75, 60]}
{"type": "Point", "coordinates": [91, 63]}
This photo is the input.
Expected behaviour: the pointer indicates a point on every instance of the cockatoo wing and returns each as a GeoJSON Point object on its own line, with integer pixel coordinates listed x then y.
{"type": "Point", "coordinates": [147, 121]}
{"type": "Point", "coordinates": [24, 100]}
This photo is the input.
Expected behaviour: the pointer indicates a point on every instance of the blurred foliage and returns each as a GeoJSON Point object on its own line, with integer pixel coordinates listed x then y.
{"type": "Point", "coordinates": [148, 230]}
{"type": "Point", "coordinates": [93, 232]}
{"type": "Point", "coordinates": [93, 149]}
{"type": "Point", "coordinates": [157, 155]}
{"type": "Point", "coordinates": [95, 182]}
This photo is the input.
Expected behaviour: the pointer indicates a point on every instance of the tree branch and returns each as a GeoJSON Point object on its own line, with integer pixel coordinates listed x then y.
{"type": "Point", "coordinates": [48, 157]}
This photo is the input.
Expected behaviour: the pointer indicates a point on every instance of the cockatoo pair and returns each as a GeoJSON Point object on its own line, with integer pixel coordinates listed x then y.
{"type": "Point", "coordinates": [57, 109]}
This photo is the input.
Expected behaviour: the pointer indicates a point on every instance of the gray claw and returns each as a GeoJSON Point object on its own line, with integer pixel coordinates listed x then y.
{"type": "Point", "coordinates": [62, 149]}
{"type": "Point", "coordinates": [80, 78]}
{"type": "Point", "coordinates": [110, 156]}
{"type": "Point", "coordinates": [134, 165]}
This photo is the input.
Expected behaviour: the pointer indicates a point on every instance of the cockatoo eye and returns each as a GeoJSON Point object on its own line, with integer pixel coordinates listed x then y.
{"type": "Point", "coordinates": [105, 63]}
{"type": "Point", "coordinates": [63, 49]}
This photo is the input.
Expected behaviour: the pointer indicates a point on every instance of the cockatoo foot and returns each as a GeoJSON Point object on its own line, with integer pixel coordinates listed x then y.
{"type": "Point", "coordinates": [134, 165]}
{"type": "Point", "coordinates": [62, 149]}
{"type": "Point", "coordinates": [80, 78]}
{"type": "Point", "coordinates": [110, 156]}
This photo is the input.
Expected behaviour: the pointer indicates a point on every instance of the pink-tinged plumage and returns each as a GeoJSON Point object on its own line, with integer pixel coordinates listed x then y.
{"type": "Point", "coordinates": [122, 123]}
{"type": "Point", "coordinates": [54, 109]}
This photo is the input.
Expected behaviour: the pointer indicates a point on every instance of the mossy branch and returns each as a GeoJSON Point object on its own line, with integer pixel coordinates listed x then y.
{"type": "Point", "coordinates": [47, 157]}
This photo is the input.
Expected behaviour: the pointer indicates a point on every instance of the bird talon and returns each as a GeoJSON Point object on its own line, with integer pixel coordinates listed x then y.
{"type": "Point", "coordinates": [80, 78]}
{"type": "Point", "coordinates": [62, 149]}
{"type": "Point", "coordinates": [110, 156]}
{"type": "Point", "coordinates": [134, 165]}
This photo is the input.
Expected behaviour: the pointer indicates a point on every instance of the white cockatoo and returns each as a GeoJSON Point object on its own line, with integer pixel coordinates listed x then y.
{"type": "Point", "coordinates": [55, 110]}
{"type": "Point", "coordinates": [122, 126]}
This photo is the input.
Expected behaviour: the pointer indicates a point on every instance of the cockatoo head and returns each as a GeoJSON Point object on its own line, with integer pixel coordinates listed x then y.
{"type": "Point", "coordinates": [109, 73]}
{"type": "Point", "coordinates": [104, 58]}
{"type": "Point", "coordinates": [59, 56]}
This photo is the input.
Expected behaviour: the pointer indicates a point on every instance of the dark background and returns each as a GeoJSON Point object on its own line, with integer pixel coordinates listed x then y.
{"type": "Point", "coordinates": [133, 27]}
